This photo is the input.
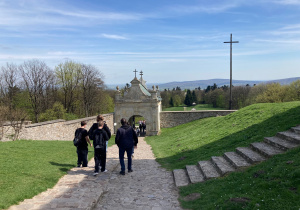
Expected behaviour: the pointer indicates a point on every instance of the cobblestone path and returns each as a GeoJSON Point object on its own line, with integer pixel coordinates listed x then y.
{"type": "Point", "coordinates": [148, 187]}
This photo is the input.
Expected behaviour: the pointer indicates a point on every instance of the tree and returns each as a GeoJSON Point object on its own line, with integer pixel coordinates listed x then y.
{"type": "Point", "coordinates": [194, 97]}
{"type": "Point", "coordinates": [68, 77]}
{"type": "Point", "coordinates": [9, 85]}
{"type": "Point", "coordinates": [36, 74]}
{"type": "Point", "coordinates": [188, 98]}
{"type": "Point", "coordinates": [171, 102]}
{"type": "Point", "coordinates": [56, 112]}
{"type": "Point", "coordinates": [91, 83]}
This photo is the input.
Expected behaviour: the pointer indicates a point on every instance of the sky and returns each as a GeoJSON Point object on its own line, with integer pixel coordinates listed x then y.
{"type": "Point", "coordinates": [169, 40]}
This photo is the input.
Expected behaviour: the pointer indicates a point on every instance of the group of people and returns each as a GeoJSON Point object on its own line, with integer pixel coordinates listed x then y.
{"type": "Point", "coordinates": [126, 139]}
{"type": "Point", "coordinates": [142, 126]}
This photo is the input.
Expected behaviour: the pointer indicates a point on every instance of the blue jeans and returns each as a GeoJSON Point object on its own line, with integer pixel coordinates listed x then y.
{"type": "Point", "coordinates": [121, 157]}
{"type": "Point", "coordinates": [82, 157]}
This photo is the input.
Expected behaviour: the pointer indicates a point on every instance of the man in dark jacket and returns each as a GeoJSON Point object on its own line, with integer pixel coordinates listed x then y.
{"type": "Point", "coordinates": [125, 139]}
{"type": "Point", "coordinates": [82, 148]}
{"type": "Point", "coordinates": [100, 138]}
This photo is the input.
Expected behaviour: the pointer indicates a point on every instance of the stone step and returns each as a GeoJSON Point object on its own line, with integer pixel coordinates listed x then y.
{"type": "Point", "coordinates": [280, 143]}
{"type": "Point", "coordinates": [250, 155]}
{"type": "Point", "coordinates": [181, 178]}
{"type": "Point", "coordinates": [296, 129]}
{"type": "Point", "coordinates": [222, 166]}
{"type": "Point", "coordinates": [265, 149]}
{"type": "Point", "coordinates": [208, 170]}
{"type": "Point", "coordinates": [289, 136]}
{"type": "Point", "coordinates": [236, 160]}
{"type": "Point", "coordinates": [194, 174]}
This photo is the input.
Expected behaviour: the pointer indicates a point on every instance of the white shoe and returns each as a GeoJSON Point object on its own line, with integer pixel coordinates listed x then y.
{"type": "Point", "coordinates": [104, 171]}
{"type": "Point", "coordinates": [96, 173]}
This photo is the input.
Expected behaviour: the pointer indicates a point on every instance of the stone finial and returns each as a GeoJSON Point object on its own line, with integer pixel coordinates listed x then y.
{"type": "Point", "coordinates": [157, 87]}
{"type": "Point", "coordinates": [153, 87]}
{"type": "Point", "coordinates": [117, 88]}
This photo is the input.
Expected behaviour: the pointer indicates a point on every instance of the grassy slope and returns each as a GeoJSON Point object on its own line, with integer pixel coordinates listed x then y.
{"type": "Point", "coordinates": [30, 167]}
{"type": "Point", "coordinates": [274, 184]}
{"type": "Point", "coordinates": [201, 139]}
{"type": "Point", "coordinates": [189, 108]}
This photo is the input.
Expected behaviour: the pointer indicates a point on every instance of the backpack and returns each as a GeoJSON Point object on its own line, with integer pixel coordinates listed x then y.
{"type": "Point", "coordinates": [98, 140]}
{"type": "Point", "coordinates": [77, 139]}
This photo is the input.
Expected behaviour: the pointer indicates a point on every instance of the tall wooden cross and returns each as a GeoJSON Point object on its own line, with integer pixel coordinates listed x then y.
{"type": "Point", "coordinates": [230, 100]}
{"type": "Point", "coordinates": [135, 71]}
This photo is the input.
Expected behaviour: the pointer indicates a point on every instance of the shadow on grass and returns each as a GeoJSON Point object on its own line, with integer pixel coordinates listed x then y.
{"type": "Point", "coordinates": [254, 133]}
{"type": "Point", "coordinates": [64, 167]}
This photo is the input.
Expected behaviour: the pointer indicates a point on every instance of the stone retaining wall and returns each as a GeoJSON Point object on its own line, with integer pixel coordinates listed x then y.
{"type": "Point", "coordinates": [170, 119]}
{"type": "Point", "coordinates": [60, 129]}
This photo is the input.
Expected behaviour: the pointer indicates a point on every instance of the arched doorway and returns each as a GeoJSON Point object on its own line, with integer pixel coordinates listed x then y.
{"type": "Point", "coordinates": [139, 101]}
{"type": "Point", "coordinates": [139, 123]}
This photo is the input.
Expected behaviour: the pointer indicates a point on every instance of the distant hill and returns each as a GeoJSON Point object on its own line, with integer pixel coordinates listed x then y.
{"type": "Point", "coordinates": [204, 83]}
{"type": "Point", "coordinates": [220, 82]}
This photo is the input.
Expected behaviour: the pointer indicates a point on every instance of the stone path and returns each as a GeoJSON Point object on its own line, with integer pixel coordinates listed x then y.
{"type": "Point", "coordinates": [148, 187]}
{"type": "Point", "coordinates": [242, 157]}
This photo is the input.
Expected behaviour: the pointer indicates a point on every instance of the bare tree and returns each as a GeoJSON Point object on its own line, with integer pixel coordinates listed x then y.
{"type": "Point", "coordinates": [68, 77]}
{"type": "Point", "coordinates": [9, 84]}
{"type": "Point", "coordinates": [92, 83]}
{"type": "Point", "coordinates": [35, 74]}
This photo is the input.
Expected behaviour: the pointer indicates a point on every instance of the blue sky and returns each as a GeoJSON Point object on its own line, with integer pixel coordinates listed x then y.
{"type": "Point", "coordinates": [169, 40]}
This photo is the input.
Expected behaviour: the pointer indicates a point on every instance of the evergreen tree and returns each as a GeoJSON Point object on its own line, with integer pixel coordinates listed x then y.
{"type": "Point", "coordinates": [194, 97]}
{"type": "Point", "coordinates": [188, 98]}
{"type": "Point", "coordinates": [171, 102]}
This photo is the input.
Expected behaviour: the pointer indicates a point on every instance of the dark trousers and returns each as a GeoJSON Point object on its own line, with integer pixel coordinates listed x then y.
{"type": "Point", "coordinates": [100, 157]}
{"type": "Point", "coordinates": [121, 157]}
{"type": "Point", "coordinates": [82, 157]}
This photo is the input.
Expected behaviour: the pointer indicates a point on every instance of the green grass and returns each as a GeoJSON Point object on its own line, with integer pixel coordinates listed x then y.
{"type": "Point", "coordinates": [30, 167]}
{"type": "Point", "coordinates": [189, 108]}
{"type": "Point", "coordinates": [274, 184]}
{"type": "Point", "coordinates": [201, 139]}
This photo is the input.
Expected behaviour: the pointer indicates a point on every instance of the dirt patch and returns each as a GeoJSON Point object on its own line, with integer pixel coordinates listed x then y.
{"type": "Point", "coordinates": [182, 158]}
{"type": "Point", "coordinates": [258, 173]}
{"type": "Point", "coordinates": [240, 200]}
{"type": "Point", "coordinates": [293, 189]}
{"type": "Point", "coordinates": [191, 197]}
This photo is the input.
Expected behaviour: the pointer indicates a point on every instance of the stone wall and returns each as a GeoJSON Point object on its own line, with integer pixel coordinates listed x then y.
{"type": "Point", "coordinates": [171, 119]}
{"type": "Point", "coordinates": [60, 129]}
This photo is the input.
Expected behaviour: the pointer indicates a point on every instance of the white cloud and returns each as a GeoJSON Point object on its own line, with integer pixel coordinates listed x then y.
{"type": "Point", "coordinates": [218, 8]}
{"type": "Point", "coordinates": [288, 2]}
{"type": "Point", "coordinates": [113, 36]}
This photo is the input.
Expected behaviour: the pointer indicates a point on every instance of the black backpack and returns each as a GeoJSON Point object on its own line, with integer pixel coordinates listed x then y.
{"type": "Point", "coordinates": [77, 139]}
{"type": "Point", "coordinates": [98, 140]}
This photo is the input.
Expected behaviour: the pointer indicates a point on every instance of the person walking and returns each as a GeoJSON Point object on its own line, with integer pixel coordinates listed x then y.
{"type": "Point", "coordinates": [126, 138]}
{"type": "Point", "coordinates": [82, 148]}
{"type": "Point", "coordinates": [95, 126]}
{"type": "Point", "coordinates": [100, 138]}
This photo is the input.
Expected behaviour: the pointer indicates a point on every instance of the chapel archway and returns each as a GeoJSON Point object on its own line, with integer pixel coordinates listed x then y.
{"type": "Point", "coordinates": [138, 100]}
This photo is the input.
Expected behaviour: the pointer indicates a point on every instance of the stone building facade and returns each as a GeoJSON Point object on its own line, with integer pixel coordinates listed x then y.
{"type": "Point", "coordinates": [139, 101]}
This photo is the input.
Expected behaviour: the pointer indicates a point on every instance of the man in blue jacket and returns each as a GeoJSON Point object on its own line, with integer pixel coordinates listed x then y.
{"type": "Point", "coordinates": [125, 139]}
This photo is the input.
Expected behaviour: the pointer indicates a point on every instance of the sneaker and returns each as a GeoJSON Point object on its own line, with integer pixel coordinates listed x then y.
{"type": "Point", "coordinates": [96, 173]}
{"type": "Point", "coordinates": [122, 172]}
{"type": "Point", "coordinates": [104, 170]}
{"type": "Point", "coordinates": [129, 171]}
